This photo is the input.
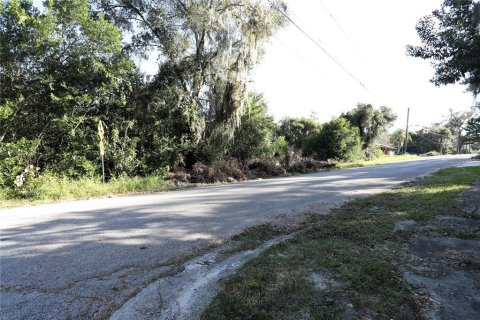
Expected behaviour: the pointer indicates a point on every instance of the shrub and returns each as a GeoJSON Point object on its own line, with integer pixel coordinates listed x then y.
{"type": "Point", "coordinates": [337, 140]}
{"type": "Point", "coordinates": [265, 168]}
{"type": "Point", "coordinates": [256, 133]}
{"type": "Point", "coordinates": [372, 152]}
{"type": "Point", "coordinates": [279, 149]}
{"type": "Point", "coordinates": [307, 165]}
{"type": "Point", "coordinates": [17, 169]}
{"type": "Point", "coordinates": [432, 154]}
{"type": "Point", "coordinates": [297, 131]}
{"type": "Point", "coordinates": [228, 170]}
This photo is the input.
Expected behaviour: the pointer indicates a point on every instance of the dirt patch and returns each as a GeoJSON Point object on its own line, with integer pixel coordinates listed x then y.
{"type": "Point", "coordinates": [470, 200]}
{"type": "Point", "coordinates": [446, 274]}
{"type": "Point", "coordinates": [324, 280]}
{"type": "Point", "coordinates": [404, 225]}
{"type": "Point", "coordinates": [445, 268]}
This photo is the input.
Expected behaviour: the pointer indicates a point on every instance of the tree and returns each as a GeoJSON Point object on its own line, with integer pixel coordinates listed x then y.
{"type": "Point", "coordinates": [336, 140]}
{"type": "Point", "coordinates": [451, 40]}
{"type": "Point", "coordinates": [167, 122]}
{"type": "Point", "coordinates": [371, 122]}
{"type": "Point", "coordinates": [473, 129]}
{"type": "Point", "coordinates": [437, 138]}
{"type": "Point", "coordinates": [208, 48]}
{"type": "Point", "coordinates": [60, 71]}
{"type": "Point", "coordinates": [296, 131]}
{"type": "Point", "coordinates": [456, 122]}
{"type": "Point", "coordinates": [398, 137]}
{"type": "Point", "coordinates": [257, 131]}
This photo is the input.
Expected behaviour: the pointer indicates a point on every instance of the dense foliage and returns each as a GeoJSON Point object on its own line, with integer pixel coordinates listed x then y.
{"type": "Point", "coordinates": [297, 131]}
{"type": "Point", "coordinates": [398, 139]}
{"type": "Point", "coordinates": [61, 72]}
{"type": "Point", "coordinates": [337, 140]}
{"type": "Point", "coordinates": [68, 66]}
{"type": "Point", "coordinates": [256, 136]}
{"type": "Point", "coordinates": [435, 138]}
{"type": "Point", "coordinates": [472, 129]}
{"type": "Point", "coordinates": [371, 122]}
{"type": "Point", "coordinates": [67, 70]}
{"type": "Point", "coordinates": [451, 40]}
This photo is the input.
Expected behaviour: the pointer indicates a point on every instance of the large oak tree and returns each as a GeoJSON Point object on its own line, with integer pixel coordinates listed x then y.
{"type": "Point", "coordinates": [450, 39]}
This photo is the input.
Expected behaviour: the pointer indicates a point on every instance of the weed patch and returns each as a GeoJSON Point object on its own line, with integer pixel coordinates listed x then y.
{"type": "Point", "coordinates": [52, 188]}
{"type": "Point", "coordinates": [356, 245]}
{"type": "Point", "coordinates": [253, 237]}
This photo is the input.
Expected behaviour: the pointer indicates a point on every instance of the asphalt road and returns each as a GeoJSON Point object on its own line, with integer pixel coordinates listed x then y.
{"type": "Point", "coordinates": [84, 259]}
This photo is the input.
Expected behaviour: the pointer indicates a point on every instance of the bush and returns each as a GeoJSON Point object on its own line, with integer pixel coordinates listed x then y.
{"type": "Point", "coordinates": [432, 154]}
{"type": "Point", "coordinates": [337, 140]}
{"type": "Point", "coordinates": [306, 165]}
{"type": "Point", "coordinates": [297, 131]}
{"type": "Point", "coordinates": [257, 131]}
{"type": "Point", "coordinates": [221, 171]}
{"type": "Point", "coordinates": [265, 168]}
{"type": "Point", "coordinates": [372, 153]}
{"type": "Point", "coordinates": [279, 149]}
{"type": "Point", "coordinates": [17, 169]}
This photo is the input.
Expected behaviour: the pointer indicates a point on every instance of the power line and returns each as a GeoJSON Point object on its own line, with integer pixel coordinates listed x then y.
{"type": "Point", "coordinates": [431, 141]}
{"type": "Point", "coordinates": [302, 22]}
{"type": "Point", "coordinates": [339, 26]}
{"type": "Point", "coordinates": [321, 48]}
{"type": "Point", "coordinates": [302, 58]}
{"type": "Point", "coordinates": [434, 133]}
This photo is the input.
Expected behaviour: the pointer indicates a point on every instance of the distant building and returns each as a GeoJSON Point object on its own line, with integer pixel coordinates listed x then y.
{"type": "Point", "coordinates": [388, 150]}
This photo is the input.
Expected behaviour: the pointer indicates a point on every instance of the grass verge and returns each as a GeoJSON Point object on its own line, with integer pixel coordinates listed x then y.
{"type": "Point", "coordinates": [347, 265]}
{"type": "Point", "coordinates": [50, 188]}
{"type": "Point", "coordinates": [374, 162]}
{"type": "Point", "coordinates": [253, 237]}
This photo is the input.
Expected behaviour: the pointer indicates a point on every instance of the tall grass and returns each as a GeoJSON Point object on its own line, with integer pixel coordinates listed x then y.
{"type": "Point", "coordinates": [48, 188]}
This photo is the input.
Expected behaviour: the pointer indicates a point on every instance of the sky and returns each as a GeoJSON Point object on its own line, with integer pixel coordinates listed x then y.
{"type": "Point", "coordinates": [370, 40]}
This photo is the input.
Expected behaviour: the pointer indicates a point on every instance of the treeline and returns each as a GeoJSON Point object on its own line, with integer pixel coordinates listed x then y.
{"type": "Point", "coordinates": [459, 132]}
{"type": "Point", "coordinates": [69, 84]}
{"type": "Point", "coordinates": [67, 69]}
{"type": "Point", "coordinates": [71, 92]}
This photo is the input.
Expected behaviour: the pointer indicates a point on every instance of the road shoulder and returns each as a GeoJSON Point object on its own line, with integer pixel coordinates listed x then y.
{"type": "Point", "coordinates": [379, 257]}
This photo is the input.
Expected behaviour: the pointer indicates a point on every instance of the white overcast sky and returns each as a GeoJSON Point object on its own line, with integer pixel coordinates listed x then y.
{"type": "Point", "coordinates": [297, 78]}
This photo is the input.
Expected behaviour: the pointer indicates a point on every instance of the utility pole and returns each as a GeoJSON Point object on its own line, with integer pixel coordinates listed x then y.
{"type": "Point", "coordinates": [406, 133]}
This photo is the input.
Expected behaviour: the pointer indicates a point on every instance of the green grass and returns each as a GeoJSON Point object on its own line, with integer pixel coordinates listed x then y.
{"type": "Point", "coordinates": [50, 188]}
{"type": "Point", "coordinates": [374, 162]}
{"type": "Point", "coordinates": [253, 237]}
{"type": "Point", "coordinates": [357, 250]}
